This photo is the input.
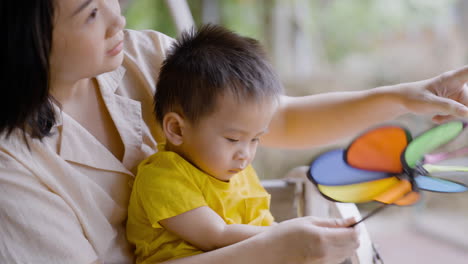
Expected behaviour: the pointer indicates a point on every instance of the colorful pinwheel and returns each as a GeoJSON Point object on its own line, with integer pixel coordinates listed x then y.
{"type": "Point", "coordinates": [385, 165]}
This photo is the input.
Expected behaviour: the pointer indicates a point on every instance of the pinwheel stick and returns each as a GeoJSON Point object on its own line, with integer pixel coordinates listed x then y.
{"type": "Point", "coordinates": [378, 209]}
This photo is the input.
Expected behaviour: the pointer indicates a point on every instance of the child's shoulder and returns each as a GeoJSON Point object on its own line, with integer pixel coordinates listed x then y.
{"type": "Point", "coordinates": [162, 160]}
{"type": "Point", "coordinates": [166, 163]}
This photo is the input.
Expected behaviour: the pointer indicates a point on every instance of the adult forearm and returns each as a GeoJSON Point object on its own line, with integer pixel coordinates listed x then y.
{"type": "Point", "coordinates": [299, 241]}
{"type": "Point", "coordinates": [230, 234]}
{"type": "Point", "coordinates": [238, 232]}
{"type": "Point", "coordinates": [257, 249]}
{"type": "Point", "coordinates": [324, 118]}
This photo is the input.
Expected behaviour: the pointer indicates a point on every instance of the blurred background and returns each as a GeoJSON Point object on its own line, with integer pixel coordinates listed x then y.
{"type": "Point", "coordinates": [344, 45]}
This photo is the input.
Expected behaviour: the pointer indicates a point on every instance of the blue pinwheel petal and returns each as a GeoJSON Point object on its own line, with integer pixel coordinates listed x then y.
{"type": "Point", "coordinates": [331, 169]}
{"type": "Point", "coordinates": [439, 185]}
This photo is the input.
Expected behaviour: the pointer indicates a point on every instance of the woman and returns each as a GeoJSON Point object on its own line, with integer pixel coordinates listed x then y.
{"type": "Point", "coordinates": [76, 119]}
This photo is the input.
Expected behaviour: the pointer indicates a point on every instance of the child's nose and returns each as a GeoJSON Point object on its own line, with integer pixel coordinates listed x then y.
{"type": "Point", "coordinates": [242, 154]}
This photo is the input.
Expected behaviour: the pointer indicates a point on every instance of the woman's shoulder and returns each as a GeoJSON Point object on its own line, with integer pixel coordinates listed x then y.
{"type": "Point", "coordinates": [11, 146]}
{"type": "Point", "coordinates": [19, 148]}
{"type": "Point", "coordinates": [144, 52]}
{"type": "Point", "coordinates": [16, 143]}
{"type": "Point", "coordinates": [141, 44]}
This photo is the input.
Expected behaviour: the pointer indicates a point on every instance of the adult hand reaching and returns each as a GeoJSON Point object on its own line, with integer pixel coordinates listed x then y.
{"type": "Point", "coordinates": [445, 96]}
{"type": "Point", "coordinates": [320, 119]}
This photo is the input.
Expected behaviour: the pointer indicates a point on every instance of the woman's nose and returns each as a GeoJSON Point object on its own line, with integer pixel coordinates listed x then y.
{"type": "Point", "coordinates": [117, 23]}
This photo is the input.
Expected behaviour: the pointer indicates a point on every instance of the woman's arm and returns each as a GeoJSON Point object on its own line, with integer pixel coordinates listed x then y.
{"type": "Point", "coordinates": [303, 240]}
{"type": "Point", "coordinates": [300, 241]}
{"type": "Point", "coordinates": [302, 122]}
{"type": "Point", "coordinates": [206, 230]}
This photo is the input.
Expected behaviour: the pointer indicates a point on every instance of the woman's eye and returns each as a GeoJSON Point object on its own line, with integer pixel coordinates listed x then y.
{"type": "Point", "coordinates": [255, 139]}
{"type": "Point", "coordinates": [92, 15]}
{"type": "Point", "coordinates": [232, 140]}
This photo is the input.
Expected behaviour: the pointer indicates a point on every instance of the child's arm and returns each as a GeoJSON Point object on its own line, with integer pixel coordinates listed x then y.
{"type": "Point", "coordinates": [205, 229]}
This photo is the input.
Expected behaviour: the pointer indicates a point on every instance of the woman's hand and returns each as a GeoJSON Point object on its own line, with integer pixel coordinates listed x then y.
{"type": "Point", "coordinates": [445, 96]}
{"type": "Point", "coordinates": [313, 240]}
{"type": "Point", "coordinates": [307, 121]}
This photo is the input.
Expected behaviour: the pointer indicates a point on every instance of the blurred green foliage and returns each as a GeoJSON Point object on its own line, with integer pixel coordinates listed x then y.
{"type": "Point", "coordinates": [240, 16]}
{"type": "Point", "coordinates": [245, 17]}
{"type": "Point", "coordinates": [150, 14]}
{"type": "Point", "coordinates": [343, 25]}
{"type": "Point", "coordinates": [354, 25]}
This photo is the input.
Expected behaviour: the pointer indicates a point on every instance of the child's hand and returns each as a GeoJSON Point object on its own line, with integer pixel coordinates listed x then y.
{"type": "Point", "coordinates": [445, 96]}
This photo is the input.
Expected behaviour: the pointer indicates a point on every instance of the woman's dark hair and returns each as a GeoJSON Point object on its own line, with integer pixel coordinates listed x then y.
{"type": "Point", "coordinates": [25, 102]}
{"type": "Point", "coordinates": [203, 65]}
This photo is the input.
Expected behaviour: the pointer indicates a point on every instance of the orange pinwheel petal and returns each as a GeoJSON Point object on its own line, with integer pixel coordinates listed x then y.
{"type": "Point", "coordinates": [399, 190]}
{"type": "Point", "coordinates": [409, 199]}
{"type": "Point", "coordinates": [379, 149]}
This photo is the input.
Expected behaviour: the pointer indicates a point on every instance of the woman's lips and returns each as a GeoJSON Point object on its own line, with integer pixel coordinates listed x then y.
{"type": "Point", "coordinates": [116, 49]}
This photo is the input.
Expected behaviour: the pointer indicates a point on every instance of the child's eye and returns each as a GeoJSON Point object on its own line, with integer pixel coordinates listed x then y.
{"type": "Point", "coordinates": [93, 15]}
{"type": "Point", "coordinates": [232, 140]}
{"type": "Point", "coordinates": [256, 139]}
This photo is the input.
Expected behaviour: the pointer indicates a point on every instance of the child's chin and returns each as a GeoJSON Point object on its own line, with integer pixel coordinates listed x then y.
{"type": "Point", "coordinates": [225, 177]}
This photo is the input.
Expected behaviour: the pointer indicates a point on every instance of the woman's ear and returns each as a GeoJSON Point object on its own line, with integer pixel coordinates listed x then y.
{"type": "Point", "coordinates": [173, 125]}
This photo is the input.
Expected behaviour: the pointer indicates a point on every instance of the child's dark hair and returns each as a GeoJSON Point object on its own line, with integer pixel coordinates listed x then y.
{"type": "Point", "coordinates": [205, 64]}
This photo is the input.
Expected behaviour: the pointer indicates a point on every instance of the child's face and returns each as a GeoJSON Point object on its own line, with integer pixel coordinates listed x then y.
{"type": "Point", "coordinates": [224, 142]}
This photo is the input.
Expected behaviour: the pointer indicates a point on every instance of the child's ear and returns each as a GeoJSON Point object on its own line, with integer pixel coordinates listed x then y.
{"type": "Point", "coordinates": [173, 125]}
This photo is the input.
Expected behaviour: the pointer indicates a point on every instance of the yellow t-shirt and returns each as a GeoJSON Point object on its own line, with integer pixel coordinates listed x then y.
{"type": "Point", "coordinates": [167, 185]}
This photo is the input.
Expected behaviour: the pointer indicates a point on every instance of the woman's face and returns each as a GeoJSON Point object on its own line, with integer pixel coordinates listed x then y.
{"type": "Point", "coordinates": [87, 39]}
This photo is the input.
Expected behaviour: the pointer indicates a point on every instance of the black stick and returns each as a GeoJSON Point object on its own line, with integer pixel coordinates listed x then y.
{"type": "Point", "coordinates": [370, 214]}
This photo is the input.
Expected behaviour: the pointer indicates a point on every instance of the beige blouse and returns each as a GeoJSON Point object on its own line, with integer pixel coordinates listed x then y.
{"type": "Point", "coordinates": [65, 200]}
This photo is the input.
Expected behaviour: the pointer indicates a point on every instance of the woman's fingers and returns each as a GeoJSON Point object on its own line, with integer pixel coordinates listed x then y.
{"type": "Point", "coordinates": [343, 237]}
{"type": "Point", "coordinates": [334, 222]}
{"type": "Point", "coordinates": [338, 240]}
{"type": "Point", "coordinates": [338, 232]}
{"type": "Point", "coordinates": [450, 107]}
{"type": "Point", "coordinates": [341, 243]}
{"type": "Point", "coordinates": [451, 93]}
{"type": "Point", "coordinates": [461, 74]}
{"type": "Point", "coordinates": [316, 240]}
{"type": "Point", "coordinates": [446, 96]}
{"type": "Point", "coordinates": [440, 119]}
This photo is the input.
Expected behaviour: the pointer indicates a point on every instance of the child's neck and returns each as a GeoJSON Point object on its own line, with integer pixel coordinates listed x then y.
{"type": "Point", "coordinates": [176, 149]}
{"type": "Point", "coordinates": [168, 146]}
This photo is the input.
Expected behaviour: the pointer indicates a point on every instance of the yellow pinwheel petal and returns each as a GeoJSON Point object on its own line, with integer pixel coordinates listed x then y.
{"type": "Point", "coordinates": [360, 192]}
